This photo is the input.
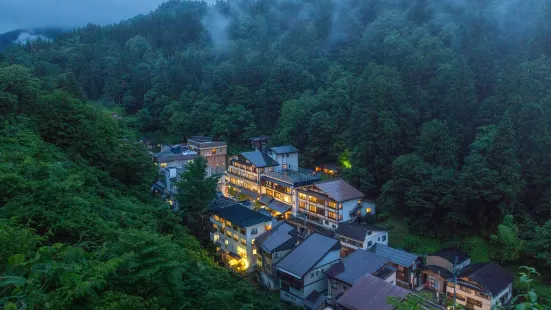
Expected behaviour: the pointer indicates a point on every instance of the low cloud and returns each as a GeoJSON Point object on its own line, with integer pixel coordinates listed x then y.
{"type": "Point", "coordinates": [25, 14]}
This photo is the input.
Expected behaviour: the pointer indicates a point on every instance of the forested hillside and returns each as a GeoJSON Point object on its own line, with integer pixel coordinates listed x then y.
{"type": "Point", "coordinates": [78, 227]}
{"type": "Point", "coordinates": [440, 108]}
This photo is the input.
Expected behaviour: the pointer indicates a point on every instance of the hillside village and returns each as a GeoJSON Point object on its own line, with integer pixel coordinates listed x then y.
{"type": "Point", "coordinates": [313, 237]}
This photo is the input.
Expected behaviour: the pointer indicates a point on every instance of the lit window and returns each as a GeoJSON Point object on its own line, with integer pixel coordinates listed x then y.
{"type": "Point", "coordinates": [368, 210]}
{"type": "Point", "coordinates": [254, 251]}
{"type": "Point", "coordinates": [213, 151]}
{"type": "Point", "coordinates": [163, 165]}
{"type": "Point", "coordinates": [301, 196]}
{"type": "Point", "coordinates": [332, 215]}
{"type": "Point", "coordinates": [252, 241]}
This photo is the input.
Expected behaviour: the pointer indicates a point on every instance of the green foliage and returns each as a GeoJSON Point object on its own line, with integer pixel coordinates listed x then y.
{"type": "Point", "coordinates": [78, 227]}
{"type": "Point", "coordinates": [528, 299]}
{"type": "Point", "coordinates": [505, 245]}
{"type": "Point", "coordinates": [540, 245]}
{"type": "Point", "coordinates": [195, 191]}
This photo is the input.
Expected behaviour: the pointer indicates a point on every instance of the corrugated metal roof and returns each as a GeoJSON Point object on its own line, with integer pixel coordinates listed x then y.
{"type": "Point", "coordinates": [371, 293]}
{"type": "Point", "coordinates": [339, 190]}
{"type": "Point", "coordinates": [307, 254]}
{"type": "Point", "coordinates": [284, 149]}
{"type": "Point", "coordinates": [259, 159]}
{"type": "Point", "coordinates": [279, 235]}
{"type": "Point", "coordinates": [356, 231]}
{"type": "Point", "coordinates": [357, 265]}
{"type": "Point", "coordinates": [399, 257]}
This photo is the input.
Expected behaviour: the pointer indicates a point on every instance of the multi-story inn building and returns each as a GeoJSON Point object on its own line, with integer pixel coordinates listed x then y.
{"type": "Point", "coordinates": [327, 203]}
{"type": "Point", "coordinates": [272, 246]}
{"type": "Point", "coordinates": [278, 189]}
{"type": "Point", "coordinates": [354, 236]}
{"type": "Point", "coordinates": [482, 286]}
{"type": "Point", "coordinates": [213, 151]}
{"type": "Point", "coordinates": [302, 271]}
{"type": "Point", "coordinates": [234, 229]}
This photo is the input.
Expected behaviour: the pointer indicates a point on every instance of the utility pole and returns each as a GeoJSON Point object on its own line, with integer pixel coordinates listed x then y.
{"type": "Point", "coordinates": [455, 262]}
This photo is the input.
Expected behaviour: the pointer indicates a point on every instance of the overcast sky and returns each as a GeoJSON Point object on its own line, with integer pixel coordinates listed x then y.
{"type": "Point", "coordinates": [17, 14]}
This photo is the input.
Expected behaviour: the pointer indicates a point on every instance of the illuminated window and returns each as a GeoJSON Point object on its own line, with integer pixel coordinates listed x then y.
{"type": "Point", "coordinates": [228, 223]}
{"type": "Point", "coordinates": [312, 208]}
{"type": "Point", "coordinates": [312, 199]}
{"type": "Point", "coordinates": [163, 165]}
{"type": "Point", "coordinates": [332, 204]}
{"type": "Point", "coordinates": [228, 233]}
{"type": "Point", "coordinates": [368, 210]}
{"type": "Point", "coordinates": [252, 241]}
{"type": "Point", "coordinates": [332, 215]}
{"type": "Point", "coordinates": [213, 150]}
{"type": "Point", "coordinates": [301, 196]}
{"type": "Point", "coordinates": [270, 192]}
{"type": "Point", "coordinates": [288, 190]}
{"type": "Point", "coordinates": [277, 195]}
{"type": "Point", "coordinates": [302, 204]}
{"type": "Point", "coordinates": [226, 242]}
{"type": "Point", "coordinates": [254, 251]}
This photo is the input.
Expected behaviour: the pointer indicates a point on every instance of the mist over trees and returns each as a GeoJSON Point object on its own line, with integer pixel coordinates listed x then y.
{"type": "Point", "coordinates": [442, 108]}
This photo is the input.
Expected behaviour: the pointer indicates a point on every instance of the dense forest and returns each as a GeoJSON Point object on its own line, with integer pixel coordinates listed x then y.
{"type": "Point", "coordinates": [78, 226]}
{"type": "Point", "coordinates": [440, 108]}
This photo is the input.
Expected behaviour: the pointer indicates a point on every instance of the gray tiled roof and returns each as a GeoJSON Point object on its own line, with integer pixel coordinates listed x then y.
{"type": "Point", "coordinates": [281, 237]}
{"type": "Point", "coordinates": [339, 190]}
{"type": "Point", "coordinates": [284, 149]}
{"type": "Point", "coordinates": [259, 159]}
{"type": "Point", "coordinates": [357, 265]}
{"type": "Point", "coordinates": [307, 254]}
{"type": "Point", "coordinates": [490, 276]}
{"type": "Point", "coordinates": [356, 231]}
{"type": "Point", "coordinates": [399, 257]}
{"type": "Point", "coordinates": [240, 215]}
{"type": "Point", "coordinates": [370, 293]}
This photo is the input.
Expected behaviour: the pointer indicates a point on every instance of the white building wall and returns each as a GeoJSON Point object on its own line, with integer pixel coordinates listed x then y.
{"type": "Point", "coordinates": [316, 279]}
{"type": "Point", "coordinates": [376, 237]}
{"type": "Point", "coordinates": [290, 159]}
{"type": "Point", "coordinates": [347, 207]}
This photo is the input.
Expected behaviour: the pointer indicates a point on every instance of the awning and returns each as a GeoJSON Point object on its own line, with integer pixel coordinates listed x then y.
{"type": "Point", "coordinates": [279, 206]}
{"type": "Point", "coordinates": [233, 255]}
{"type": "Point", "coordinates": [249, 193]}
{"type": "Point", "coordinates": [265, 199]}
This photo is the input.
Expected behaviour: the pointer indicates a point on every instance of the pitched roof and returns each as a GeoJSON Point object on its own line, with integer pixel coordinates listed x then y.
{"type": "Point", "coordinates": [240, 215]}
{"type": "Point", "coordinates": [449, 254]}
{"type": "Point", "coordinates": [399, 257]}
{"type": "Point", "coordinates": [307, 254]}
{"type": "Point", "coordinates": [339, 190]}
{"type": "Point", "coordinates": [259, 159]}
{"type": "Point", "coordinates": [281, 237]}
{"type": "Point", "coordinates": [357, 265]}
{"type": "Point", "coordinates": [490, 276]}
{"type": "Point", "coordinates": [370, 293]}
{"type": "Point", "coordinates": [284, 149]}
{"type": "Point", "coordinates": [444, 273]}
{"type": "Point", "coordinates": [356, 231]}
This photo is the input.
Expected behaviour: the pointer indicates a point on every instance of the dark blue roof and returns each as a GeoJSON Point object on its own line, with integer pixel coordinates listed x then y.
{"type": "Point", "coordinates": [241, 216]}
{"type": "Point", "coordinates": [357, 265]}
{"type": "Point", "coordinates": [399, 257]}
{"type": "Point", "coordinates": [259, 159]}
{"type": "Point", "coordinates": [307, 254]}
{"type": "Point", "coordinates": [281, 237]}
